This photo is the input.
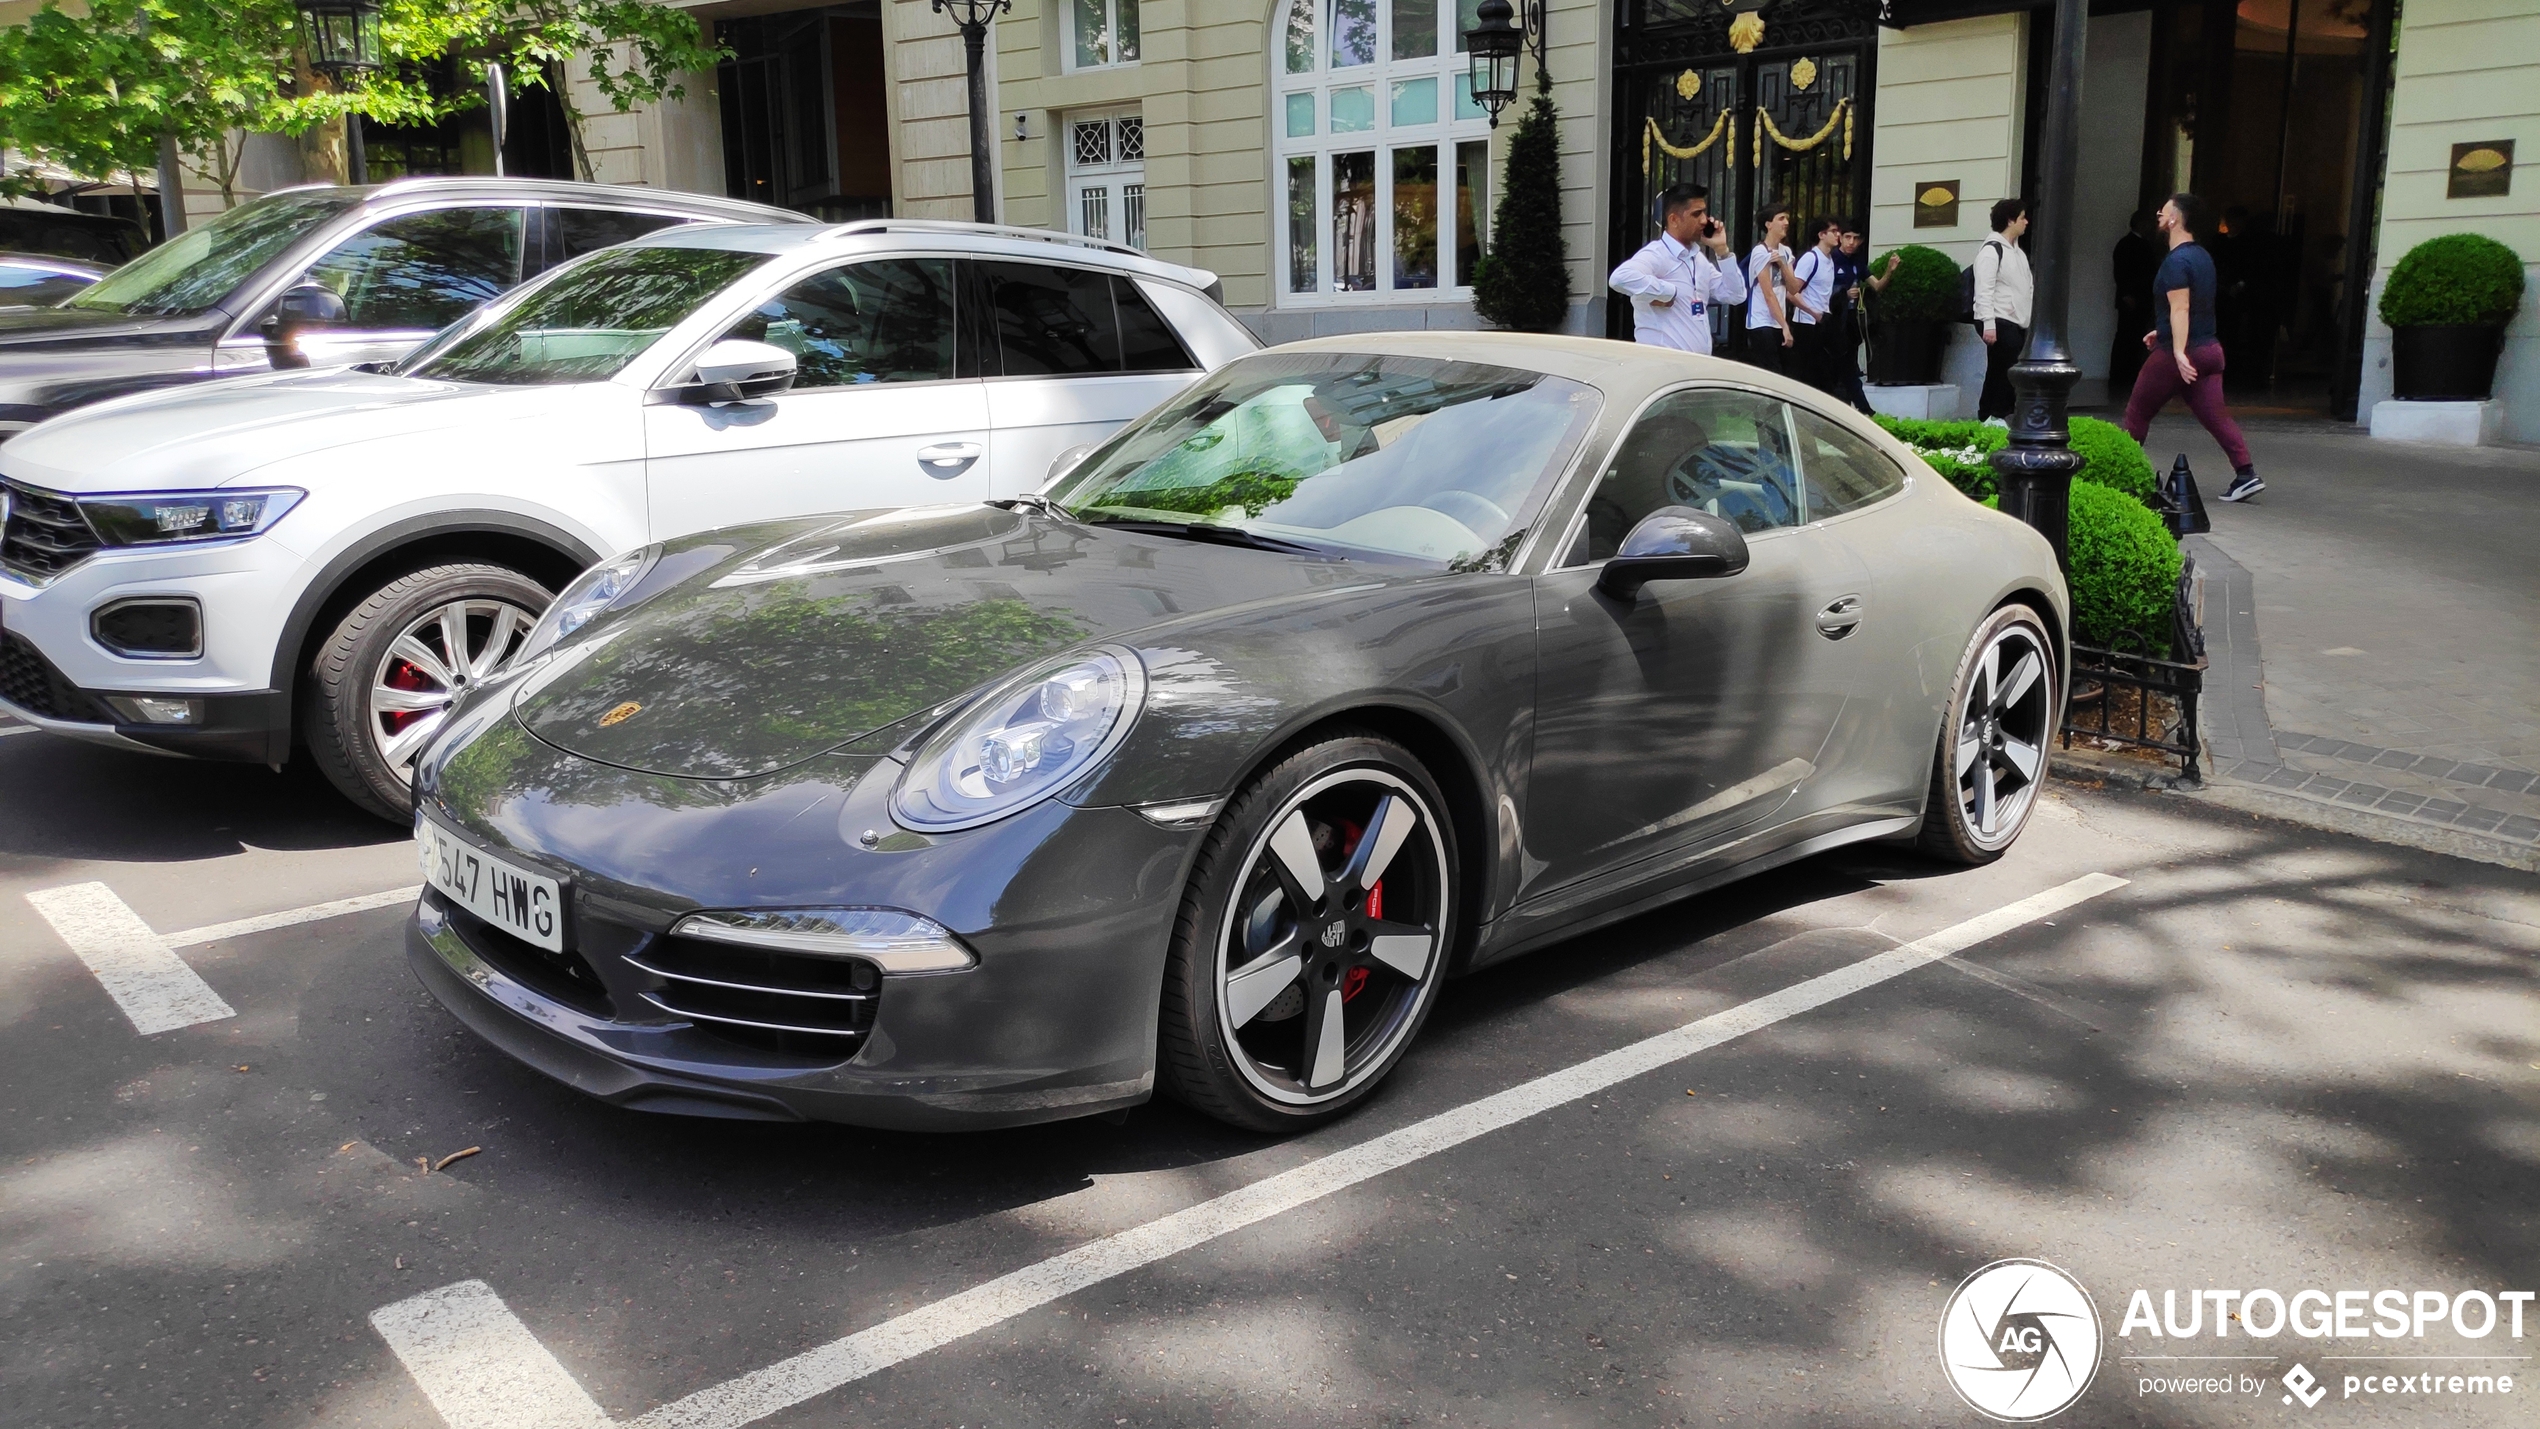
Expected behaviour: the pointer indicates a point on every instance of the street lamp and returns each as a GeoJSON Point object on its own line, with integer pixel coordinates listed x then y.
{"type": "Point", "coordinates": [1490, 52]}
{"type": "Point", "coordinates": [342, 40]}
{"type": "Point", "coordinates": [973, 17]}
{"type": "Point", "coordinates": [2035, 469]}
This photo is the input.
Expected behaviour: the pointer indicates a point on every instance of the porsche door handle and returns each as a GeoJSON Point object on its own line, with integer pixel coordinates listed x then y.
{"type": "Point", "coordinates": [946, 460]}
{"type": "Point", "coordinates": [1840, 619]}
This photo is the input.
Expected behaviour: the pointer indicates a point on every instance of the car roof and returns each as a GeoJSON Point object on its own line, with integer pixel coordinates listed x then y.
{"type": "Point", "coordinates": [895, 235]}
{"type": "Point", "coordinates": [486, 186]}
{"type": "Point", "coordinates": [1623, 369]}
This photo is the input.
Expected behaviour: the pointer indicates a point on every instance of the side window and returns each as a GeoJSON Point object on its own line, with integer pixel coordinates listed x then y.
{"type": "Point", "coordinates": [889, 320]}
{"type": "Point", "coordinates": [425, 270]}
{"type": "Point", "coordinates": [1724, 452]}
{"type": "Point", "coordinates": [1147, 341]}
{"type": "Point", "coordinates": [1052, 322]}
{"type": "Point", "coordinates": [1843, 472]}
{"type": "Point", "coordinates": [584, 230]}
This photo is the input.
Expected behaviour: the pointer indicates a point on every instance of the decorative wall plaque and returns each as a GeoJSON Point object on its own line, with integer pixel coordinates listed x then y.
{"type": "Point", "coordinates": [1936, 203]}
{"type": "Point", "coordinates": [2481, 170]}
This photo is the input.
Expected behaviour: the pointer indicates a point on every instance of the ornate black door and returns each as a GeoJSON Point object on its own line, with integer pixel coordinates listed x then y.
{"type": "Point", "coordinates": [1760, 101]}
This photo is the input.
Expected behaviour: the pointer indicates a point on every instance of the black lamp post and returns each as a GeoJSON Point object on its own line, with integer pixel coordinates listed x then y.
{"type": "Point", "coordinates": [973, 17]}
{"type": "Point", "coordinates": [1490, 52]}
{"type": "Point", "coordinates": [342, 40]}
{"type": "Point", "coordinates": [2035, 470]}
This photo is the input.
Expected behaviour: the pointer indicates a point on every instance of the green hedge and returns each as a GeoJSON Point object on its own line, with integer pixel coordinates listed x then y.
{"type": "Point", "coordinates": [1925, 287]}
{"type": "Point", "coordinates": [2125, 570]}
{"type": "Point", "coordinates": [2114, 460]}
{"type": "Point", "coordinates": [2457, 278]}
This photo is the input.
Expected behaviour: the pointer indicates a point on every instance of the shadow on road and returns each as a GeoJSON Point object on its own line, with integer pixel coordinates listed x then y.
{"type": "Point", "coordinates": [66, 799]}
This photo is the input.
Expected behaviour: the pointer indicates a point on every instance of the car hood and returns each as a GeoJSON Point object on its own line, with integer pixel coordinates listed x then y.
{"type": "Point", "coordinates": [747, 650]}
{"type": "Point", "coordinates": [209, 433]}
{"type": "Point", "coordinates": [27, 333]}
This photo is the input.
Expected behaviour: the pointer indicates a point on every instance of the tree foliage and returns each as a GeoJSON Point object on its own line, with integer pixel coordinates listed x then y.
{"type": "Point", "coordinates": [94, 91]}
{"type": "Point", "coordinates": [1524, 281]}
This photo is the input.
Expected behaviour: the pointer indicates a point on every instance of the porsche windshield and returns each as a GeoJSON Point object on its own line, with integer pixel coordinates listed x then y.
{"type": "Point", "coordinates": [586, 322]}
{"type": "Point", "coordinates": [1350, 452]}
{"type": "Point", "coordinates": [199, 267]}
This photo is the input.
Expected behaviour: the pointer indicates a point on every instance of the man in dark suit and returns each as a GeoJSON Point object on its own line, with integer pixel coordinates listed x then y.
{"type": "Point", "coordinates": [2136, 259]}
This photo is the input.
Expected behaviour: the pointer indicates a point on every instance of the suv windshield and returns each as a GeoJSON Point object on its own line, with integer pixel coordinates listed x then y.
{"type": "Point", "coordinates": [588, 321]}
{"type": "Point", "coordinates": [199, 267]}
{"type": "Point", "coordinates": [1400, 456]}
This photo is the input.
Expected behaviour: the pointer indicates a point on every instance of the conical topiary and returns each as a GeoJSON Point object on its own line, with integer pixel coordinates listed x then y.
{"type": "Point", "coordinates": [1524, 281]}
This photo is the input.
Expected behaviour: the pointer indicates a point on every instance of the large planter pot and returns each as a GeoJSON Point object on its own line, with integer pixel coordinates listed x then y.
{"type": "Point", "coordinates": [1907, 354]}
{"type": "Point", "coordinates": [2445, 362]}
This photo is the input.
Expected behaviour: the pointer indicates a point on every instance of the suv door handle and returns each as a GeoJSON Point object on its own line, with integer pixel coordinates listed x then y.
{"type": "Point", "coordinates": [1840, 618]}
{"type": "Point", "coordinates": [946, 460]}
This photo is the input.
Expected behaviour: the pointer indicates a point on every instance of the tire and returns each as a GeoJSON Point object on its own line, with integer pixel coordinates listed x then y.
{"type": "Point", "coordinates": [389, 650]}
{"type": "Point", "coordinates": [1992, 755]}
{"type": "Point", "coordinates": [1255, 950]}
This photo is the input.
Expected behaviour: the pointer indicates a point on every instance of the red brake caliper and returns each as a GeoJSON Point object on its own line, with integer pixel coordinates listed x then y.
{"type": "Point", "coordinates": [1356, 978]}
{"type": "Point", "coordinates": [404, 676]}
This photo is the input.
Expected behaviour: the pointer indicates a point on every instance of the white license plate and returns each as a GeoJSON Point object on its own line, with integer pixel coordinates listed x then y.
{"type": "Point", "coordinates": [526, 905]}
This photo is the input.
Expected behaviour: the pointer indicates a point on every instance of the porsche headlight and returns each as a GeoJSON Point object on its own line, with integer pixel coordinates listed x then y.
{"type": "Point", "coordinates": [1022, 743]}
{"type": "Point", "coordinates": [598, 588]}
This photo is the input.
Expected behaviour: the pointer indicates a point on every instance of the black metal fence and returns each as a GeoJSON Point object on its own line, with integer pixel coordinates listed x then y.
{"type": "Point", "coordinates": [2134, 697]}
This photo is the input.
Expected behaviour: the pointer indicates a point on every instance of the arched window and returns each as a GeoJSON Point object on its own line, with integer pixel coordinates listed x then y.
{"type": "Point", "coordinates": [1383, 157]}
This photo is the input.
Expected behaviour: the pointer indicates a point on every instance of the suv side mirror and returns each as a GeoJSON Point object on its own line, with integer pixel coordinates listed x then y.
{"type": "Point", "coordinates": [735, 370]}
{"type": "Point", "coordinates": [1068, 461]}
{"type": "Point", "coordinates": [1674, 543]}
{"type": "Point", "coordinates": [303, 305]}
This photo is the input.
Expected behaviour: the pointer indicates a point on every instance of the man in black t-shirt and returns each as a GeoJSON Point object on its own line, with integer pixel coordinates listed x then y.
{"type": "Point", "coordinates": [2185, 351]}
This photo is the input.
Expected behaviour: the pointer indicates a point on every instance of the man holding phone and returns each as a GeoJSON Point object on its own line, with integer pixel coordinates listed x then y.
{"type": "Point", "coordinates": [1673, 281]}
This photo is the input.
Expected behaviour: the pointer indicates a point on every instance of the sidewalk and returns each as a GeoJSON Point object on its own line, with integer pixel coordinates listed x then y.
{"type": "Point", "coordinates": [2373, 622]}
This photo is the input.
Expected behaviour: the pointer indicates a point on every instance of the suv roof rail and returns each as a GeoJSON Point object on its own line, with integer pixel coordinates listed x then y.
{"type": "Point", "coordinates": [988, 230]}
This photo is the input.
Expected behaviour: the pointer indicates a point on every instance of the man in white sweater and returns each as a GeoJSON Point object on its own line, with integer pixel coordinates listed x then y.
{"type": "Point", "coordinates": [1673, 281]}
{"type": "Point", "coordinates": [2004, 292]}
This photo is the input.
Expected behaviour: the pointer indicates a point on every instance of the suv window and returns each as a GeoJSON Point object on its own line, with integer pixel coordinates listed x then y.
{"type": "Point", "coordinates": [1052, 322]}
{"type": "Point", "coordinates": [424, 270]}
{"type": "Point", "coordinates": [889, 320]}
{"type": "Point", "coordinates": [1725, 452]}
{"type": "Point", "coordinates": [1147, 342]}
{"type": "Point", "coordinates": [1843, 472]}
{"type": "Point", "coordinates": [586, 230]}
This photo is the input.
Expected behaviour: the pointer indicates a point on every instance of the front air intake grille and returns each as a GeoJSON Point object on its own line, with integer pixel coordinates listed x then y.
{"type": "Point", "coordinates": [46, 534]}
{"type": "Point", "coordinates": [774, 1002]}
{"type": "Point", "coordinates": [30, 682]}
{"type": "Point", "coordinates": [564, 977]}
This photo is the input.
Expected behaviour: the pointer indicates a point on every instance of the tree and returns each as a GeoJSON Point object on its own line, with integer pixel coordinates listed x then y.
{"type": "Point", "coordinates": [1524, 281]}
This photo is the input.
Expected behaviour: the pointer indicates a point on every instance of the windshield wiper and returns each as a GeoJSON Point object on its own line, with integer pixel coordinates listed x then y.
{"type": "Point", "coordinates": [1032, 500]}
{"type": "Point", "coordinates": [1202, 531]}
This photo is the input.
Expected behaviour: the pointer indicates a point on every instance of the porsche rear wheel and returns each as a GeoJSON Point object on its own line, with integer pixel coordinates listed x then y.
{"type": "Point", "coordinates": [1994, 745]}
{"type": "Point", "coordinates": [1312, 937]}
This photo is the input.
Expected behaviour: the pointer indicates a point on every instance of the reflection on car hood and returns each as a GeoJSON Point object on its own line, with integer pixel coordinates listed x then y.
{"type": "Point", "coordinates": [208, 433]}
{"type": "Point", "coordinates": [52, 328]}
{"type": "Point", "coordinates": [750, 649]}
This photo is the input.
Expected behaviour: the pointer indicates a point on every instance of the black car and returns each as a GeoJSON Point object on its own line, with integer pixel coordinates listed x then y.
{"type": "Point", "coordinates": [39, 280]}
{"type": "Point", "coordinates": [33, 226]}
{"type": "Point", "coordinates": [1362, 663]}
{"type": "Point", "coordinates": [319, 276]}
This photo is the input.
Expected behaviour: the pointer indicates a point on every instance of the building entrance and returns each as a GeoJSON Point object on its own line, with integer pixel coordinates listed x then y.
{"type": "Point", "coordinates": [1765, 104]}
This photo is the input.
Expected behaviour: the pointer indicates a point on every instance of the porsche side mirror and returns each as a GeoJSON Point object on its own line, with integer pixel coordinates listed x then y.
{"type": "Point", "coordinates": [1674, 543]}
{"type": "Point", "coordinates": [735, 370]}
{"type": "Point", "coordinates": [301, 306]}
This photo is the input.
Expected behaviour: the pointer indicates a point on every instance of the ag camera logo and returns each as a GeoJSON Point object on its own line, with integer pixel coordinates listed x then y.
{"type": "Point", "coordinates": [2019, 1341]}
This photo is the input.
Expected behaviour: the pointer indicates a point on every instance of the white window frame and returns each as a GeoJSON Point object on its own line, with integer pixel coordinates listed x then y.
{"type": "Point", "coordinates": [1446, 65]}
{"type": "Point", "coordinates": [1121, 174]}
{"type": "Point", "coordinates": [1111, 17]}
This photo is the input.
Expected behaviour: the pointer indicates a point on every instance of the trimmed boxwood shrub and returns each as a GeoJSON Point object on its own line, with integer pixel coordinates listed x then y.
{"type": "Point", "coordinates": [1924, 289]}
{"type": "Point", "coordinates": [2457, 278]}
{"type": "Point", "coordinates": [2116, 461]}
{"type": "Point", "coordinates": [1957, 450]}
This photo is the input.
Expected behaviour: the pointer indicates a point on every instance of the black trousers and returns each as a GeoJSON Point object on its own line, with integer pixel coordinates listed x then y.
{"type": "Point", "coordinates": [1764, 349]}
{"type": "Point", "coordinates": [2009, 341]}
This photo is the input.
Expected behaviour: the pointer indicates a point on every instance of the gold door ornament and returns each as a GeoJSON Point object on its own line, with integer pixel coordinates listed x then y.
{"type": "Point", "coordinates": [1688, 85]}
{"type": "Point", "coordinates": [1746, 32]}
{"type": "Point", "coordinates": [1803, 72]}
{"type": "Point", "coordinates": [1764, 125]}
{"type": "Point", "coordinates": [1651, 136]}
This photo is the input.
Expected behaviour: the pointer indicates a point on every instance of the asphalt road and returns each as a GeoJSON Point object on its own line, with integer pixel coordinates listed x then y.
{"type": "Point", "coordinates": [2271, 1058]}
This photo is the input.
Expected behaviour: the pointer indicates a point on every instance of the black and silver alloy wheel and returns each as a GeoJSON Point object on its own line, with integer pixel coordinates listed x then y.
{"type": "Point", "coordinates": [1994, 748]}
{"type": "Point", "coordinates": [381, 685]}
{"type": "Point", "coordinates": [1314, 938]}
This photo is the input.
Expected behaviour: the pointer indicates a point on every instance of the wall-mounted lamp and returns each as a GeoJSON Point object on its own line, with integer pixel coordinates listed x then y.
{"type": "Point", "coordinates": [1022, 127]}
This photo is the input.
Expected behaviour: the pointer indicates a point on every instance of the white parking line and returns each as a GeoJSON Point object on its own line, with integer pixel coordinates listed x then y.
{"type": "Point", "coordinates": [479, 1365]}
{"type": "Point", "coordinates": [267, 922]}
{"type": "Point", "coordinates": [136, 966]}
{"type": "Point", "coordinates": [489, 1405]}
{"type": "Point", "coordinates": [9, 729]}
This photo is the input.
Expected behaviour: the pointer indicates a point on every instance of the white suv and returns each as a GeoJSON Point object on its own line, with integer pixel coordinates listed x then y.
{"type": "Point", "coordinates": [213, 569]}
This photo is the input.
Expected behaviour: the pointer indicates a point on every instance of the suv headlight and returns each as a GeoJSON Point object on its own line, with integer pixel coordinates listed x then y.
{"type": "Point", "coordinates": [159, 518]}
{"type": "Point", "coordinates": [594, 591]}
{"type": "Point", "coordinates": [1024, 742]}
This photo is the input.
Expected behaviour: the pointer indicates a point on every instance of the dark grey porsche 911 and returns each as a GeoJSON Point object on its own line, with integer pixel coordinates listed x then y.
{"type": "Point", "coordinates": [1359, 665]}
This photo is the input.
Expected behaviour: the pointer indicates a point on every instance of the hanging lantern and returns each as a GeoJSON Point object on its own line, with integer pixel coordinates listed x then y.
{"type": "Point", "coordinates": [1491, 48]}
{"type": "Point", "coordinates": [341, 36]}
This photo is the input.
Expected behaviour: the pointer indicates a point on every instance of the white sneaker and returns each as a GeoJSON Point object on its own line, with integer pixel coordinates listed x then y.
{"type": "Point", "coordinates": [2244, 487]}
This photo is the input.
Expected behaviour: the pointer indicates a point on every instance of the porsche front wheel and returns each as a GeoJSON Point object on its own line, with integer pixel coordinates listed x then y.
{"type": "Point", "coordinates": [1312, 938]}
{"type": "Point", "coordinates": [1994, 745]}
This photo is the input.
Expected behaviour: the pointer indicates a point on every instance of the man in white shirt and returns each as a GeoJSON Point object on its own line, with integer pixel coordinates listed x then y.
{"type": "Point", "coordinates": [1812, 305]}
{"type": "Point", "coordinates": [2004, 292]}
{"type": "Point", "coordinates": [1673, 281]}
{"type": "Point", "coordinates": [1770, 285]}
